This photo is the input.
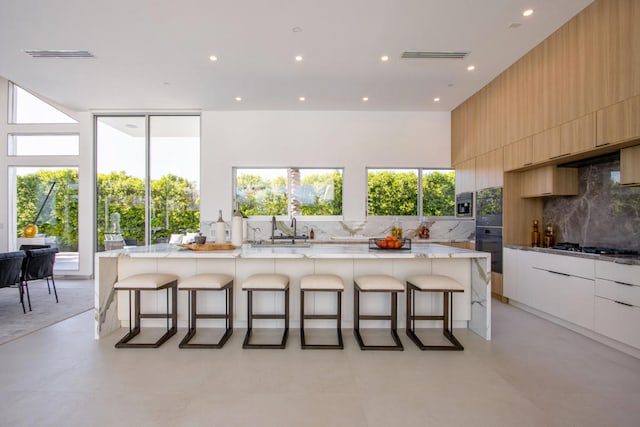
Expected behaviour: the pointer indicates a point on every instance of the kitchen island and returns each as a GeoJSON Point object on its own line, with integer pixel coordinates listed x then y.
{"type": "Point", "coordinates": [472, 309]}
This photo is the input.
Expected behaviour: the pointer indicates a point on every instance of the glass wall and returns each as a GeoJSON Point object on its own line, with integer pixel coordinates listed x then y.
{"type": "Point", "coordinates": [147, 177]}
{"type": "Point", "coordinates": [48, 198]}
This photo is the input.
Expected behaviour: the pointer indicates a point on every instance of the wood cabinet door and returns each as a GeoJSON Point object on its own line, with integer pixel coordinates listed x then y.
{"type": "Point", "coordinates": [618, 122]}
{"type": "Point", "coordinates": [546, 145]}
{"type": "Point", "coordinates": [466, 176]}
{"type": "Point", "coordinates": [630, 166]}
{"type": "Point", "coordinates": [518, 154]}
{"type": "Point", "coordinates": [578, 135]}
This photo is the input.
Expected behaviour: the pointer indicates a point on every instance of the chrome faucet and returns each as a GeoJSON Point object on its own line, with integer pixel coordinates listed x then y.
{"type": "Point", "coordinates": [273, 229]}
{"type": "Point", "coordinates": [294, 226]}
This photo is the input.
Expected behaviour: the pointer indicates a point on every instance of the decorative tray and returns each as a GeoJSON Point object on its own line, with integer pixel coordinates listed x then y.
{"type": "Point", "coordinates": [208, 247]}
{"type": "Point", "coordinates": [384, 243]}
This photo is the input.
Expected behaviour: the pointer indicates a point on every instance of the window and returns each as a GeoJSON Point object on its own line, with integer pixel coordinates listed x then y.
{"type": "Point", "coordinates": [438, 192]}
{"type": "Point", "coordinates": [288, 191]}
{"type": "Point", "coordinates": [44, 145]}
{"type": "Point", "coordinates": [48, 198]}
{"type": "Point", "coordinates": [406, 192]}
{"type": "Point", "coordinates": [147, 200]}
{"type": "Point", "coordinates": [27, 108]}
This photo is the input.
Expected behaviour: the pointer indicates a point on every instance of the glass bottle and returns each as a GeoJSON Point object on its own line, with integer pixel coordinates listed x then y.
{"type": "Point", "coordinates": [396, 229]}
{"type": "Point", "coordinates": [535, 235]}
{"type": "Point", "coordinates": [549, 240]}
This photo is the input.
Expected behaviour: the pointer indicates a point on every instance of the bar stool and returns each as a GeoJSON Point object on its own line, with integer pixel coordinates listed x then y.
{"type": "Point", "coordinates": [433, 283]}
{"type": "Point", "coordinates": [377, 283]}
{"type": "Point", "coordinates": [260, 283]}
{"type": "Point", "coordinates": [207, 282]}
{"type": "Point", "coordinates": [149, 282]}
{"type": "Point", "coordinates": [321, 283]}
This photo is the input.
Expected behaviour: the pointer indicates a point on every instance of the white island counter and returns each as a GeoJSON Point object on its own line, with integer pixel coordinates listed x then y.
{"type": "Point", "coordinates": [472, 269]}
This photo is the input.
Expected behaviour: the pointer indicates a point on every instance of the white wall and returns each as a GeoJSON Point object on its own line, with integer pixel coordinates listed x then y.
{"type": "Point", "coordinates": [353, 140]}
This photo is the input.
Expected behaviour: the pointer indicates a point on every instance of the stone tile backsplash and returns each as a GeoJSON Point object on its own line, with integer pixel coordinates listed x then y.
{"type": "Point", "coordinates": [327, 230]}
{"type": "Point", "coordinates": [604, 213]}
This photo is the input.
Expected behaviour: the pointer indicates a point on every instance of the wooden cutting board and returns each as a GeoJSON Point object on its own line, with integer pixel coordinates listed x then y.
{"type": "Point", "coordinates": [209, 247]}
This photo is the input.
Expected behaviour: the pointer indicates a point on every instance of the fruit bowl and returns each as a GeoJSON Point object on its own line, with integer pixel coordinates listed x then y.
{"type": "Point", "coordinates": [389, 243]}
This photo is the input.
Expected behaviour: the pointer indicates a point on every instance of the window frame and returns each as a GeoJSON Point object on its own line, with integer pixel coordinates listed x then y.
{"type": "Point", "coordinates": [234, 192]}
{"type": "Point", "coordinates": [420, 195]}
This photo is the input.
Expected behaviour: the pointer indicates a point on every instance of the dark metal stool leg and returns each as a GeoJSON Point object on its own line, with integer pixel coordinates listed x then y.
{"type": "Point", "coordinates": [392, 317]}
{"type": "Point", "coordinates": [337, 317]}
{"type": "Point", "coordinates": [446, 317]}
{"type": "Point", "coordinates": [135, 329]}
{"type": "Point", "coordinates": [250, 316]}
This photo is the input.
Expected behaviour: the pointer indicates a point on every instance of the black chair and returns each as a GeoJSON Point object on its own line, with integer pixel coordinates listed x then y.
{"type": "Point", "coordinates": [38, 265]}
{"type": "Point", "coordinates": [10, 270]}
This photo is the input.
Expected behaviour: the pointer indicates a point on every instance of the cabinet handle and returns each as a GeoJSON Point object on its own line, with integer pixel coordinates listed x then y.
{"type": "Point", "coordinates": [603, 144]}
{"type": "Point", "coordinates": [557, 272]}
{"type": "Point", "coordinates": [623, 303]}
{"type": "Point", "coordinates": [560, 155]}
{"type": "Point", "coordinates": [622, 283]}
{"type": "Point", "coordinates": [527, 164]}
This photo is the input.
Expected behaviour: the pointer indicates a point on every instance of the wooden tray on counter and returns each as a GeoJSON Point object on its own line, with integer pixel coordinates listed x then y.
{"type": "Point", "coordinates": [209, 247]}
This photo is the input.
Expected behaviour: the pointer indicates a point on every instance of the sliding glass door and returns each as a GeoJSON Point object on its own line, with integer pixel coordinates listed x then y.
{"type": "Point", "coordinates": [147, 177]}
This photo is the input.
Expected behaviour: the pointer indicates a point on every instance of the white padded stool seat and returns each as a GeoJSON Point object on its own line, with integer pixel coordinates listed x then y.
{"type": "Point", "coordinates": [379, 282]}
{"type": "Point", "coordinates": [434, 282]}
{"type": "Point", "coordinates": [266, 281]}
{"type": "Point", "coordinates": [145, 281]}
{"type": "Point", "coordinates": [321, 282]}
{"type": "Point", "coordinates": [205, 281]}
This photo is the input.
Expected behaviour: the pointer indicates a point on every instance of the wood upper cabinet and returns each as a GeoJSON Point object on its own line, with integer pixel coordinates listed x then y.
{"type": "Point", "coordinates": [466, 176]}
{"type": "Point", "coordinates": [630, 166]}
{"type": "Point", "coordinates": [518, 154]}
{"type": "Point", "coordinates": [546, 145]}
{"type": "Point", "coordinates": [549, 181]}
{"type": "Point", "coordinates": [489, 169]}
{"type": "Point", "coordinates": [573, 137]}
{"type": "Point", "coordinates": [578, 135]}
{"type": "Point", "coordinates": [619, 122]}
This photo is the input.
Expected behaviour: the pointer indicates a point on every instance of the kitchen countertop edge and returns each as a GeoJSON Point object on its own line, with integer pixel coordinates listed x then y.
{"type": "Point", "coordinates": [630, 260]}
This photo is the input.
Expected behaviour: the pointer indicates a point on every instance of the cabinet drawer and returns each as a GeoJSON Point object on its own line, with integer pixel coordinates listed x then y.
{"type": "Point", "coordinates": [618, 272]}
{"type": "Point", "coordinates": [627, 294]}
{"type": "Point", "coordinates": [564, 264]}
{"type": "Point", "coordinates": [617, 321]}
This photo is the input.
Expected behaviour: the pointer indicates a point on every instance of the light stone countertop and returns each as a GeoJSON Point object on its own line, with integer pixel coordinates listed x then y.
{"type": "Point", "coordinates": [315, 250]}
{"type": "Point", "coordinates": [627, 260]}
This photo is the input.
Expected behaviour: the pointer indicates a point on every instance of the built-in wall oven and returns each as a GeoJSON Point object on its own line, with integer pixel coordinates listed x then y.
{"type": "Point", "coordinates": [489, 225]}
{"type": "Point", "coordinates": [464, 205]}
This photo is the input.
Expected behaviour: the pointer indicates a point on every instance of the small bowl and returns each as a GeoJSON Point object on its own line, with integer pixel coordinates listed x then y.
{"type": "Point", "coordinates": [200, 240]}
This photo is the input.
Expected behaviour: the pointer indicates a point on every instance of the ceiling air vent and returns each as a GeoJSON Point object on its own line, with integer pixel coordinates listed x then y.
{"type": "Point", "coordinates": [434, 55]}
{"type": "Point", "coordinates": [59, 53]}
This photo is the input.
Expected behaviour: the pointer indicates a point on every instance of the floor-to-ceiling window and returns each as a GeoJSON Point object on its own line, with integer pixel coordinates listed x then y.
{"type": "Point", "coordinates": [147, 177]}
{"type": "Point", "coordinates": [43, 148]}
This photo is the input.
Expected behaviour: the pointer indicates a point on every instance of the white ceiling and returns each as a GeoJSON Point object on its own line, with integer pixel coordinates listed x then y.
{"type": "Point", "coordinates": [153, 54]}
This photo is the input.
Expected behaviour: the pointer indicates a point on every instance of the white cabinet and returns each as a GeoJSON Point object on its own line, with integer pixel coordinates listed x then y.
{"type": "Point", "coordinates": [617, 302]}
{"type": "Point", "coordinates": [559, 285]}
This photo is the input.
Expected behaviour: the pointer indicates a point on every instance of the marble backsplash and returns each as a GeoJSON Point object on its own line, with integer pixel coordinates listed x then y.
{"type": "Point", "coordinates": [604, 213]}
{"type": "Point", "coordinates": [449, 229]}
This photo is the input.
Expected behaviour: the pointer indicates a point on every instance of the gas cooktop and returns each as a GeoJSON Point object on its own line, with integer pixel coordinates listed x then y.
{"type": "Point", "coordinates": [597, 250]}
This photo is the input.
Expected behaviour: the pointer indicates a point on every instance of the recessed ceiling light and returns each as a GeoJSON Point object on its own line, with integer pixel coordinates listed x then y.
{"type": "Point", "coordinates": [299, 58]}
{"type": "Point", "coordinates": [436, 99]}
{"type": "Point", "coordinates": [213, 58]}
{"type": "Point", "coordinates": [471, 67]}
{"type": "Point", "coordinates": [384, 58]}
{"type": "Point", "coordinates": [296, 29]}
{"type": "Point", "coordinates": [238, 98]}
{"type": "Point", "coordinates": [365, 98]}
{"type": "Point", "coordinates": [527, 12]}
{"type": "Point", "coordinates": [131, 126]}
{"type": "Point", "coordinates": [301, 98]}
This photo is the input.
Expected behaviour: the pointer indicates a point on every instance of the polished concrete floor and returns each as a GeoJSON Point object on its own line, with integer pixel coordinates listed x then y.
{"type": "Point", "coordinates": [533, 373]}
